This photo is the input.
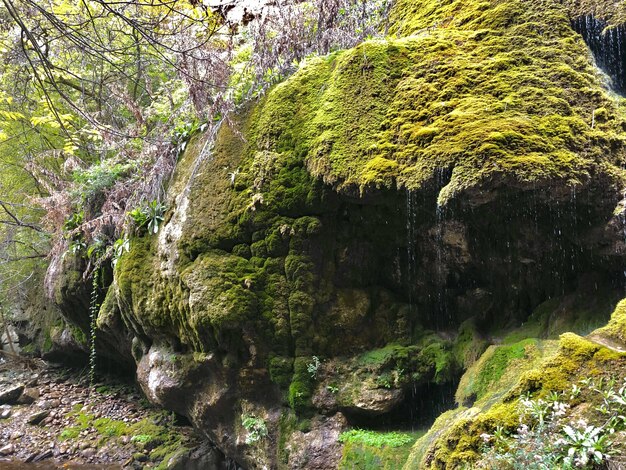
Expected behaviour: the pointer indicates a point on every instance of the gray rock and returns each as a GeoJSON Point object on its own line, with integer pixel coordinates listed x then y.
{"type": "Point", "coordinates": [88, 452]}
{"type": "Point", "coordinates": [30, 395]}
{"type": "Point", "coordinates": [7, 449]}
{"type": "Point", "coordinates": [203, 457]}
{"type": "Point", "coordinates": [10, 395]}
{"type": "Point", "coordinates": [5, 413]}
{"type": "Point", "coordinates": [319, 448]}
{"type": "Point", "coordinates": [37, 417]}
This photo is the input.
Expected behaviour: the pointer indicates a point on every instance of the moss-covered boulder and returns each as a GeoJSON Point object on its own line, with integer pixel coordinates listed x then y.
{"type": "Point", "coordinates": [361, 235]}
{"type": "Point", "coordinates": [489, 393]}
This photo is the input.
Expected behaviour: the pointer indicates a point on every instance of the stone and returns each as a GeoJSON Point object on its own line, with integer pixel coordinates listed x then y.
{"type": "Point", "coordinates": [319, 448]}
{"type": "Point", "coordinates": [88, 452]}
{"type": "Point", "coordinates": [377, 401]}
{"type": "Point", "coordinates": [203, 457]}
{"type": "Point", "coordinates": [54, 403]}
{"type": "Point", "coordinates": [37, 417]}
{"type": "Point", "coordinates": [139, 457]}
{"type": "Point", "coordinates": [29, 396]}
{"type": "Point", "coordinates": [7, 449]}
{"type": "Point", "coordinates": [43, 455]}
{"type": "Point", "coordinates": [11, 395]}
{"type": "Point", "coordinates": [5, 413]}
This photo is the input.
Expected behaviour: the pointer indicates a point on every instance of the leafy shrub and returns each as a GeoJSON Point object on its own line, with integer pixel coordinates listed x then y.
{"type": "Point", "coordinates": [97, 178]}
{"type": "Point", "coordinates": [548, 438]}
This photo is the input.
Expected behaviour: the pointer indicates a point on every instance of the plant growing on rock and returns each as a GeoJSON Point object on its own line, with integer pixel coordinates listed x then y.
{"type": "Point", "coordinates": [549, 437]}
{"type": "Point", "coordinates": [313, 366]}
{"type": "Point", "coordinates": [255, 427]}
{"type": "Point", "coordinates": [149, 217]}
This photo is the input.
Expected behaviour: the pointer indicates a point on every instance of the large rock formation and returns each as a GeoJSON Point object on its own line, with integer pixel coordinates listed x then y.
{"type": "Point", "coordinates": [357, 237]}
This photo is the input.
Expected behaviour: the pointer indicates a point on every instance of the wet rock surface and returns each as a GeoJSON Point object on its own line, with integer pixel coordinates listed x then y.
{"type": "Point", "coordinates": [54, 417]}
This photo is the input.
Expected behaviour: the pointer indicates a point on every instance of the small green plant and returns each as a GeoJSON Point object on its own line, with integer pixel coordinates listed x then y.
{"type": "Point", "coordinates": [141, 438]}
{"type": "Point", "coordinates": [183, 133]}
{"type": "Point", "coordinates": [332, 389]}
{"type": "Point", "coordinates": [74, 221]}
{"type": "Point", "coordinates": [77, 246]}
{"type": "Point", "coordinates": [149, 217]}
{"type": "Point", "coordinates": [384, 380]}
{"type": "Point", "coordinates": [313, 366]}
{"type": "Point", "coordinates": [121, 246]}
{"type": "Point", "coordinates": [584, 445]}
{"type": "Point", "coordinates": [256, 428]}
{"type": "Point", "coordinates": [96, 249]}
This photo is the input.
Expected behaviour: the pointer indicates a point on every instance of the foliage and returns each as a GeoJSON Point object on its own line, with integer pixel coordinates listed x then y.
{"type": "Point", "coordinates": [550, 437]}
{"type": "Point", "coordinates": [149, 217]}
{"type": "Point", "coordinates": [313, 366]}
{"type": "Point", "coordinates": [255, 427]}
{"type": "Point", "coordinates": [94, 180]}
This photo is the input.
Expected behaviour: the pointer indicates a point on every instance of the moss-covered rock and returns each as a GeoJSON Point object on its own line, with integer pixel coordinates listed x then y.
{"type": "Point", "coordinates": [504, 373]}
{"type": "Point", "coordinates": [372, 224]}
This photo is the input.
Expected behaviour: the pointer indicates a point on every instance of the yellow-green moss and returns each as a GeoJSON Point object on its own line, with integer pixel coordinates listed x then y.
{"type": "Point", "coordinates": [504, 373]}
{"type": "Point", "coordinates": [614, 13]}
{"type": "Point", "coordinates": [371, 450]}
{"type": "Point", "coordinates": [499, 92]}
{"type": "Point", "coordinates": [616, 328]}
{"type": "Point", "coordinates": [485, 374]}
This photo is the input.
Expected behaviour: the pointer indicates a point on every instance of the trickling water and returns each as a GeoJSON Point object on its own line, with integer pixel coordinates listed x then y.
{"type": "Point", "coordinates": [439, 268]}
{"type": "Point", "coordinates": [411, 222]}
{"type": "Point", "coordinates": [94, 308]}
{"type": "Point", "coordinates": [440, 272]}
{"type": "Point", "coordinates": [607, 46]}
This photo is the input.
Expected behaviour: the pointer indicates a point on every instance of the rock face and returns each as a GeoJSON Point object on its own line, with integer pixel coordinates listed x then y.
{"type": "Point", "coordinates": [10, 395]}
{"type": "Point", "coordinates": [392, 207]}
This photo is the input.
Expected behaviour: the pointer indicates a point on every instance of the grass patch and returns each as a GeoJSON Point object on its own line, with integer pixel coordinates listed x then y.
{"type": "Point", "coordinates": [369, 450]}
{"type": "Point", "coordinates": [376, 439]}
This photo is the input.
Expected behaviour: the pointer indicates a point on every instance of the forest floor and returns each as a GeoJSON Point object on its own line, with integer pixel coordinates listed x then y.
{"type": "Point", "coordinates": [53, 416]}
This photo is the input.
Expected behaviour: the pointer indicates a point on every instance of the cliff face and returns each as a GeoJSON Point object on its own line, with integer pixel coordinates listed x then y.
{"type": "Point", "coordinates": [358, 237]}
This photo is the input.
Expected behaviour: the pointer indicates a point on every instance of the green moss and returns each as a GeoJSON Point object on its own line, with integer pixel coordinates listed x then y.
{"type": "Point", "coordinates": [108, 427]}
{"type": "Point", "coordinates": [494, 363]}
{"type": "Point", "coordinates": [242, 250]}
{"type": "Point", "coordinates": [78, 335]}
{"type": "Point", "coordinates": [476, 87]}
{"type": "Point", "coordinates": [616, 327]}
{"type": "Point", "coordinates": [300, 389]}
{"type": "Point", "coordinates": [612, 12]}
{"type": "Point", "coordinates": [380, 172]}
{"type": "Point", "coordinates": [501, 375]}
{"type": "Point", "coordinates": [469, 345]}
{"type": "Point", "coordinates": [375, 450]}
{"type": "Point", "coordinates": [281, 370]}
